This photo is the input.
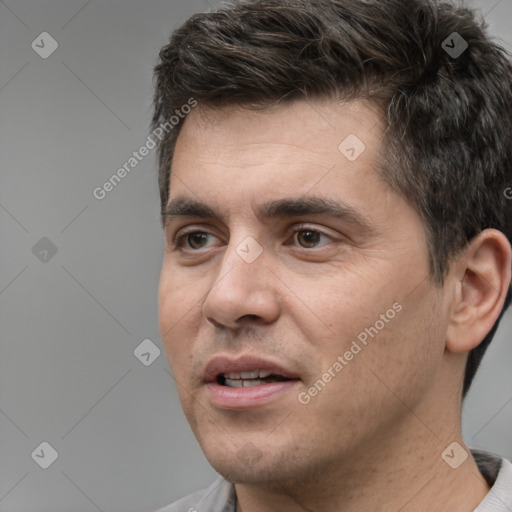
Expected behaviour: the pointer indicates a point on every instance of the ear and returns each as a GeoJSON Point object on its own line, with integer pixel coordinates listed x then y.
{"type": "Point", "coordinates": [481, 277]}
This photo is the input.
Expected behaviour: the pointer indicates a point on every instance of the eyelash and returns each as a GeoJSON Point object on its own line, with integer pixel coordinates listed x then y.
{"type": "Point", "coordinates": [181, 237]}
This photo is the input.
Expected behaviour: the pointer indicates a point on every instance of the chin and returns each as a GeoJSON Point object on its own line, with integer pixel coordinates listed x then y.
{"type": "Point", "coordinates": [250, 466]}
{"type": "Point", "coordinates": [246, 464]}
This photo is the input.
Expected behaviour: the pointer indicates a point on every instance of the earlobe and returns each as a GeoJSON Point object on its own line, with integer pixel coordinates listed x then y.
{"type": "Point", "coordinates": [485, 267]}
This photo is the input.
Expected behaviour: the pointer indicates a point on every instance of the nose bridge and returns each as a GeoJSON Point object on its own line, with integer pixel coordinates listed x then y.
{"type": "Point", "coordinates": [242, 288]}
{"type": "Point", "coordinates": [242, 266]}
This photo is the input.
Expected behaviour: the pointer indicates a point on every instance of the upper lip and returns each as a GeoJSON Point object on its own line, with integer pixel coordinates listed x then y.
{"type": "Point", "coordinates": [219, 365]}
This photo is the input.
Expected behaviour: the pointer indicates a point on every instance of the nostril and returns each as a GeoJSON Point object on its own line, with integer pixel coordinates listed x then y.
{"type": "Point", "coordinates": [252, 318]}
{"type": "Point", "coordinates": [214, 322]}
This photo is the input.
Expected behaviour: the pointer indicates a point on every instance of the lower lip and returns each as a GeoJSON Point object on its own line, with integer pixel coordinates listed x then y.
{"type": "Point", "coordinates": [226, 397]}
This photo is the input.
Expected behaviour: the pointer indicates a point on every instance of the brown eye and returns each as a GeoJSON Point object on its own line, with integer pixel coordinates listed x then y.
{"type": "Point", "coordinates": [197, 240]}
{"type": "Point", "coordinates": [193, 240]}
{"type": "Point", "coordinates": [308, 238]}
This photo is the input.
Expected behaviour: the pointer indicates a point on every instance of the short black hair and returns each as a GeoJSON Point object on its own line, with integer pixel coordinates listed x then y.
{"type": "Point", "coordinates": [443, 86]}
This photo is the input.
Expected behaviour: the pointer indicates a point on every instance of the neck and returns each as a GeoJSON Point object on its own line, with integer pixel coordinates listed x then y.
{"type": "Point", "coordinates": [402, 471]}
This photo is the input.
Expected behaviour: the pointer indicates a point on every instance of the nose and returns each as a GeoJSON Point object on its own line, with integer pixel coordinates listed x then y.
{"type": "Point", "coordinates": [243, 293]}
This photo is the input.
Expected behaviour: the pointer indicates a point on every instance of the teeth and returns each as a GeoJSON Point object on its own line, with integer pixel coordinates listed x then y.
{"type": "Point", "coordinates": [237, 383]}
{"type": "Point", "coordinates": [255, 374]}
{"type": "Point", "coordinates": [233, 376]}
{"type": "Point", "coordinates": [250, 375]}
{"type": "Point", "coordinates": [248, 383]}
{"type": "Point", "coordinates": [240, 383]}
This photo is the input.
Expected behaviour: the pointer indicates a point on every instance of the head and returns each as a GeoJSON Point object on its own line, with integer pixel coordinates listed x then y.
{"type": "Point", "coordinates": [281, 88]}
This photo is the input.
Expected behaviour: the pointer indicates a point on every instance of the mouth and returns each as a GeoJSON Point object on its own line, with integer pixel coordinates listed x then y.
{"type": "Point", "coordinates": [246, 371]}
{"type": "Point", "coordinates": [248, 379]}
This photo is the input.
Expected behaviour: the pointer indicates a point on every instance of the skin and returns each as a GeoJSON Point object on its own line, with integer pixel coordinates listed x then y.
{"type": "Point", "coordinates": [372, 439]}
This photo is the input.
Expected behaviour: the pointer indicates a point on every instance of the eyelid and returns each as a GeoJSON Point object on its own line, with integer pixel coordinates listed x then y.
{"type": "Point", "coordinates": [308, 227]}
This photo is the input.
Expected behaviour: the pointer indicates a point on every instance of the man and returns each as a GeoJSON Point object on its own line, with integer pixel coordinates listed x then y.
{"type": "Point", "coordinates": [337, 250]}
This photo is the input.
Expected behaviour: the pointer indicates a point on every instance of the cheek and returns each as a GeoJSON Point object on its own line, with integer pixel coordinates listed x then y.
{"type": "Point", "coordinates": [177, 296]}
{"type": "Point", "coordinates": [334, 309]}
{"type": "Point", "coordinates": [383, 378]}
{"type": "Point", "coordinates": [407, 353]}
{"type": "Point", "coordinates": [177, 308]}
{"type": "Point", "coordinates": [386, 328]}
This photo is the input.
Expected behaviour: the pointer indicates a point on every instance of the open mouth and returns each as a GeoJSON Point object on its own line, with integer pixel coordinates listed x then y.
{"type": "Point", "coordinates": [248, 379]}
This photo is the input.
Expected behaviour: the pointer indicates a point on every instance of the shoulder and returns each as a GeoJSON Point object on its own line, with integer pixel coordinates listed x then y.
{"type": "Point", "coordinates": [498, 473]}
{"type": "Point", "coordinates": [219, 497]}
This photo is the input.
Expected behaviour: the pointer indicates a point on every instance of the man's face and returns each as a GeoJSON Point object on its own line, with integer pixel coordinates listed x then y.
{"type": "Point", "coordinates": [303, 263]}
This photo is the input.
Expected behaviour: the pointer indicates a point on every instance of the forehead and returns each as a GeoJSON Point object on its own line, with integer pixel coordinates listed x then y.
{"type": "Point", "coordinates": [302, 140]}
{"type": "Point", "coordinates": [235, 160]}
{"type": "Point", "coordinates": [301, 123]}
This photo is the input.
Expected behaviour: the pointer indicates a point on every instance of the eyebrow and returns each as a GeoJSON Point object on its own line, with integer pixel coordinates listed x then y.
{"type": "Point", "coordinates": [289, 207]}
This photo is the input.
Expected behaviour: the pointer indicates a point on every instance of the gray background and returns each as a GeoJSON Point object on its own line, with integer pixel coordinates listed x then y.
{"type": "Point", "coordinates": [71, 322]}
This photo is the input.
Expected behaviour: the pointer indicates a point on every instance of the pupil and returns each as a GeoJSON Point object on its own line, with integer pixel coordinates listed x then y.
{"type": "Point", "coordinates": [196, 240]}
{"type": "Point", "coordinates": [310, 238]}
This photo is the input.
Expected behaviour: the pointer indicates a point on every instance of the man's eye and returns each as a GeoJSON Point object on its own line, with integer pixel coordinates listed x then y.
{"type": "Point", "coordinates": [194, 240]}
{"type": "Point", "coordinates": [304, 237]}
{"type": "Point", "coordinates": [310, 238]}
